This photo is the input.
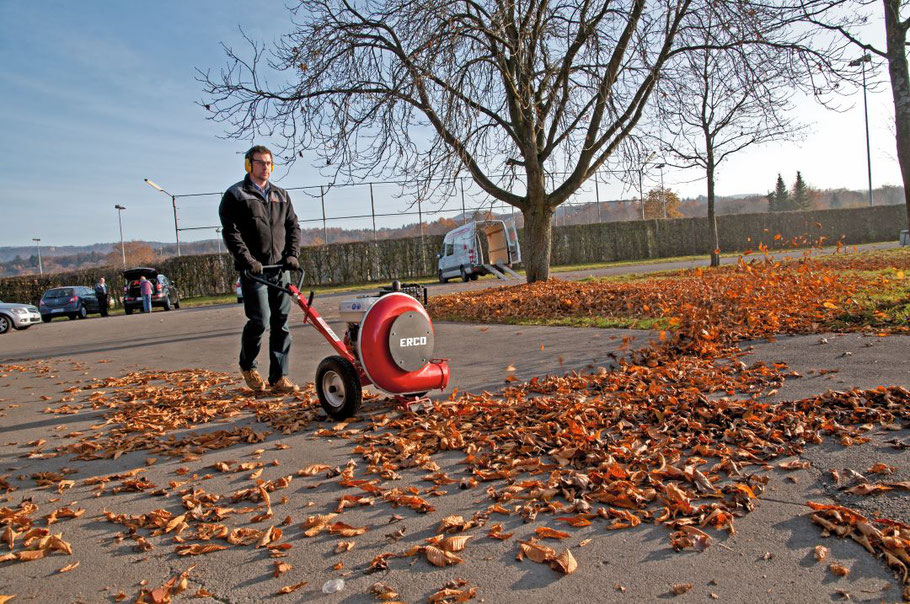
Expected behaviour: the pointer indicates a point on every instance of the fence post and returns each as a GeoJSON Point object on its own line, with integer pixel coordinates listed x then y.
{"type": "Point", "coordinates": [373, 211]}
{"type": "Point", "coordinates": [597, 197]}
{"type": "Point", "coordinates": [423, 251]}
{"type": "Point", "coordinates": [325, 234]}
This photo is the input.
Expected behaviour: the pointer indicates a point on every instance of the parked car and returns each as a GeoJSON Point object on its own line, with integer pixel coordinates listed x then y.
{"type": "Point", "coordinates": [73, 301]}
{"type": "Point", "coordinates": [239, 291]}
{"type": "Point", "coordinates": [164, 292]}
{"type": "Point", "coordinates": [17, 316]}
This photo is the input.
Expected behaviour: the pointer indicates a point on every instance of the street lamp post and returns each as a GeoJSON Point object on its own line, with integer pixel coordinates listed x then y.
{"type": "Point", "coordinates": [173, 205]}
{"type": "Point", "coordinates": [218, 232]}
{"type": "Point", "coordinates": [866, 58]}
{"type": "Point", "coordinates": [37, 240]}
{"type": "Point", "coordinates": [120, 209]}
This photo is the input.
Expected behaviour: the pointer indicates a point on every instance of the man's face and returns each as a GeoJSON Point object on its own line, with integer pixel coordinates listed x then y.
{"type": "Point", "coordinates": [261, 167]}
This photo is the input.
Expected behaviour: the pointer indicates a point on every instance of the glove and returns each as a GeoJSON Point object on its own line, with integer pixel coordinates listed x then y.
{"type": "Point", "coordinates": [255, 267]}
{"type": "Point", "coordinates": [291, 263]}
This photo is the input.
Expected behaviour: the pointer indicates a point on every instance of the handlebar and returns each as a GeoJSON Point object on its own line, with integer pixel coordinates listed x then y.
{"type": "Point", "coordinates": [273, 267]}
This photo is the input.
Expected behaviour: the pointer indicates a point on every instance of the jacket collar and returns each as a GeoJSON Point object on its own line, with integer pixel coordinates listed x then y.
{"type": "Point", "coordinates": [252, 188]}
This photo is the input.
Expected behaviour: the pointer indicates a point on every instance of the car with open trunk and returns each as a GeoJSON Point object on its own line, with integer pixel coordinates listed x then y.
{"type": "Point", "coordinates": [164, 292]}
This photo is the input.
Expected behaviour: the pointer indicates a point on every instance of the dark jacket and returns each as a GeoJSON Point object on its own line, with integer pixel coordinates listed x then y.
{"type": "Point", "coordinates": [256, 229]}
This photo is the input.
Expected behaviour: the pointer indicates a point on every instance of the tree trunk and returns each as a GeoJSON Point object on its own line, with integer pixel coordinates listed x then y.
{"type": "Point", "coordinates": [712, 217]}
{"type": "Point", "coordinates": [900, 88]}
{"type": "Point", "coordinates": [538, 236]}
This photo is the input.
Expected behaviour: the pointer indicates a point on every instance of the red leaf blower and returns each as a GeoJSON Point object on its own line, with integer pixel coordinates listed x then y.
{"type": "Point", "coordinates": [388, 344]}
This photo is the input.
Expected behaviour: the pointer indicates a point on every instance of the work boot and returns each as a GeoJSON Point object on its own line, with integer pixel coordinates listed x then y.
{"type": "Point", "coordinates": [253, 380]}
{"type": "Point", "coordinates": [285, 386]}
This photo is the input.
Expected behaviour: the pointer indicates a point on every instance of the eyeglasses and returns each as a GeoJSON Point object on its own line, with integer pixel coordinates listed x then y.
{"type": "Point", "coordinates": [263, 162]}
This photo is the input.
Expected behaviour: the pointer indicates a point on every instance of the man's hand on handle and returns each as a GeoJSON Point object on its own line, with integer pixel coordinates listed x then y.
{"type": "Point", "coordinates": [291, 263]}
{"type": "Point", "coordinates": [255, 267]}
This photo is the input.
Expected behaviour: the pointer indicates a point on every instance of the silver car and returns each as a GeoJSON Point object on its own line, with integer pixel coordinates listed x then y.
{"type": "Point", "coordinates": [17, 316]}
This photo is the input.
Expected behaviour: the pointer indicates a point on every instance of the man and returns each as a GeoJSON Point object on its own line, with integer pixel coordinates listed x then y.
{"type": "Point", "coordinates": [101, 294]}
{"type": "Point", "coordinates": [259, 228]}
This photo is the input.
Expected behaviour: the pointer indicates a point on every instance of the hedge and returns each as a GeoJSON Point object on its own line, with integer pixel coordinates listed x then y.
{"type": "Point", "coordinates": [385, 260]}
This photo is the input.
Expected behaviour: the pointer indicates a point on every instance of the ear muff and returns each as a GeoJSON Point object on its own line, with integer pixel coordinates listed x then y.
{"type": "Point", "coordinates": [248, 164]}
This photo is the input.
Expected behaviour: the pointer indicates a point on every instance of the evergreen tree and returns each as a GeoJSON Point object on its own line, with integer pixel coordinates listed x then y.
{"type": "Point", "coordinates": [779, 199]}
{"type": "Point", "coordinates": [835, 200]}
{"type": "Point", "coordinates": [800, 198]}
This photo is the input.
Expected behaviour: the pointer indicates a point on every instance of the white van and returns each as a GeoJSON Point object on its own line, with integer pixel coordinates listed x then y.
{"type": "Point", "coordinates": [462, 253]}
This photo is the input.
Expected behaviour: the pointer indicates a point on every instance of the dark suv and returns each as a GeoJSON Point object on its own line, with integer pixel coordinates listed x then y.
{"type": "Point", "coordinates": [164, 292]}
{"type": "Point", "coordinates": [73, 301]}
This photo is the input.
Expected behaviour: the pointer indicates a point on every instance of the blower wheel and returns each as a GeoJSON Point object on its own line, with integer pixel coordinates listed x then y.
{"type": "Point", "coordinates": [338, 387]}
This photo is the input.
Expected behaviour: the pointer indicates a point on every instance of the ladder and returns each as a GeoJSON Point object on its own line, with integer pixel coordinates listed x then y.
{"type": "Point", "coordinates": [501, 271]}
{"type": "Point", "coordinates": [507, 269]}
{"type": "Point", "coordinates": [490, 269]}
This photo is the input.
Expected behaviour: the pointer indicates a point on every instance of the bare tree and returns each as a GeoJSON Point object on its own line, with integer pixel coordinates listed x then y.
{"type": "Point", "coordinates": [423, 88]}
{"type": "Point", "coordinates": [847, 18]}
{"type": "Point", "coordinates": [718, 101]}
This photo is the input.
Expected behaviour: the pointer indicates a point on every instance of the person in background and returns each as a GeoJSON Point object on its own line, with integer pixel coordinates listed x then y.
{"type": "Point", "coordinates": [259, 228]}
{"type": "Point", "coordinates": [102, 294]}
{"type": "Point", "coordinates": [145, 288]}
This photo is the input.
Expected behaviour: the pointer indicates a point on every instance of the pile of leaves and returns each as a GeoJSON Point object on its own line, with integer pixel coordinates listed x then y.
{"type": "Point", "coordinates": [142, 411]}
{"type": "Point", "coordinates": [896, 259]}
{"type": "Point", "coordinates": [705, 311]}
{"type": "Point", "coordinates": [646, 443]}
{"type": "Point", "coordinates": [27, 541]}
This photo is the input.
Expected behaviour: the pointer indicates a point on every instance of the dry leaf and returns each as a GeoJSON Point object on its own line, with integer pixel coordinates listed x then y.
{"type": "Point", "coordinates": [821, 552]}
{"type": "Point", "coordinates": [565, 563]}
{"type": "Point", "coordinates": [316, 524]}
{"type": "Point", "coordinates": [794, 465]}
{"type": "Point", "coordinates": [199, 549]}
{"type": "Point", "coordinates": [880, 468]}
{"type": "Point", "coordinates": [346, 530]}
{"type": "Point", "coordinates": [383, 591]}
{"type": "Point", "coordinates": [536, 552]}
{"type": "Point", "coordinates": [438, 557]}
{"type": "Point", "coordinates": [281, 568]}
{"type": "Point", "coordinates": [547, 533]}
{"type": "Point", "coordinates": [343, 546]}
{"type": "Point", "coordinates": [290, 588]}
{"type": "Point", "coordinates": [455, 543]}
{"type": "Point", "coordinates": [839, 569]}
{"type": "Point", "coordinates": [680, 588]}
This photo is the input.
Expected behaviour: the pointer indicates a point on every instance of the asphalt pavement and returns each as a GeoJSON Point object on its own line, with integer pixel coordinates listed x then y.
{"type": "Point", "coordinates": [768, 559]}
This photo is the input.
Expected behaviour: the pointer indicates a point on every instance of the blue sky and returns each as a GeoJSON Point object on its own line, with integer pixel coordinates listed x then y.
{"type": "Point", "coordinates": [98, 95]}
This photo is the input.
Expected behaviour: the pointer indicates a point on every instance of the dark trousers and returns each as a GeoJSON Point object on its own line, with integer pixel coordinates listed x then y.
{"type": "Point", "coordinates": [266, 306]}
{"type": "Point", "coordinates": [102, 304]}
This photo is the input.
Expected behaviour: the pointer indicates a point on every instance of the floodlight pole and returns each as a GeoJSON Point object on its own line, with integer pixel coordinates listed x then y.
{"type": "Point", "coordinates": [37, 240]}
{"type": "Point", "coordinates": [173, 205]}
{"type": "Point", "coordinates": [120, 209]}
{"type": "Point", "coordinates": [663, 195]}
{"type": "Point", "coordinates": [641, 189]}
